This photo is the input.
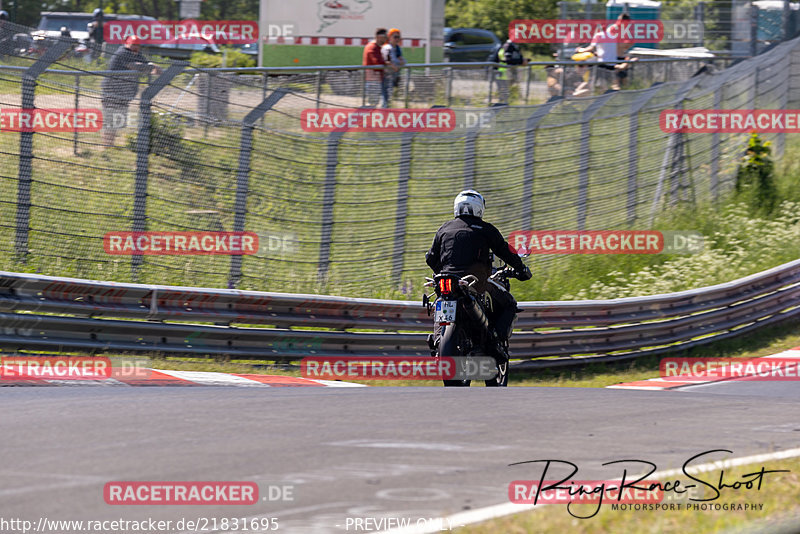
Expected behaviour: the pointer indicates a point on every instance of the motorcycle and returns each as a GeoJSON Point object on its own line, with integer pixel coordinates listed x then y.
{"type": "Point", "coordinates": [466, 334]}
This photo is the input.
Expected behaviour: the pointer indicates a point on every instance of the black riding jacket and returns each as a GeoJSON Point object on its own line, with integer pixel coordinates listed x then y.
{"type": "Point", "coordinates": [462, 246]}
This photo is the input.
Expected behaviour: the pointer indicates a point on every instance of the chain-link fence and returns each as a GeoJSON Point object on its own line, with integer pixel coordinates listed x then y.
{"type": "Point", "coordinates": [344, 212]}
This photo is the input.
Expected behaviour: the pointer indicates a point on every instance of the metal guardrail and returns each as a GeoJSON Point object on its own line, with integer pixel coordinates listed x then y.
{"type": "Point", "coordinates": [65, 314]}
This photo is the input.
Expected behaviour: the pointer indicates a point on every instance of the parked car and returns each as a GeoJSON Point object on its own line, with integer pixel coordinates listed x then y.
{"type": "Point", "coordinates": [469, 44]}
{"type": "Point", "coordinates": [52, 21]}
{"type": "Point", "coordinates": [251, 49]}
{"type": "Point", "coordinates": [180, 49]}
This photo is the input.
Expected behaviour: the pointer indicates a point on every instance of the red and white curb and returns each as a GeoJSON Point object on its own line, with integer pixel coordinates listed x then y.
{"type": "Point", "coordinates": [679, 381]}
{"type": "Point", "coordinates": [163, 377]}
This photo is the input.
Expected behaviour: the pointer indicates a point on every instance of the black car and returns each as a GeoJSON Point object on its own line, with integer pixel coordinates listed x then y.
{"type": "Point", "coordinates": [52, 21]}
{"type": "Point", "coordinates": [469, 44]}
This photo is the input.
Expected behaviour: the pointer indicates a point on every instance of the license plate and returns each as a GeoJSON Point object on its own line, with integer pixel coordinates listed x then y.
{"type": "Point", "coordinates": [446, 311]}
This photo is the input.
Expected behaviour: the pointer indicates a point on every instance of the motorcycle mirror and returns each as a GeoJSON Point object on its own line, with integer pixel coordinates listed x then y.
{"type": "Point", "coordinates": [522, 251]}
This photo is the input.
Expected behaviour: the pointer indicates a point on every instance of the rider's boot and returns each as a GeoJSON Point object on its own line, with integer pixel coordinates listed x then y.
{"type": "Point", "coordinates": [497, 347]}
{"type": "Point", "coordinates": [432, 344]}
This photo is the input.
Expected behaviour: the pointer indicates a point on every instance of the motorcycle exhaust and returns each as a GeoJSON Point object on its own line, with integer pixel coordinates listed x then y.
{"type": "Point", "coordinates": [476, 313]}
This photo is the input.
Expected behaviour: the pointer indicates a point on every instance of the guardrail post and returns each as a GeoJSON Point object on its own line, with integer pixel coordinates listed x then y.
{"type": "Point", "coordinates": [583, 163]}
{"type": "Point", "coordinates": [243, 175]}
{"type": "Point", "coordinates": [25, 173]}
{"type": "Point", "coordinates": [528, 175]}
{"type": "Point", "coordinates": [633, 155]}
{"type": "Point", "coordinates": [143, 154]}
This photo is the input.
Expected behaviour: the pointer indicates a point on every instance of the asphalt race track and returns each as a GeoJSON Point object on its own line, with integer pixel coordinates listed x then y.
{"type": "Point", "coordinates": [355, 453]}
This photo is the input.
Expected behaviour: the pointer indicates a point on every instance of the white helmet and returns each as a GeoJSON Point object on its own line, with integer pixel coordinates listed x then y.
{"type": "Point", "coordinates": [469, 202]}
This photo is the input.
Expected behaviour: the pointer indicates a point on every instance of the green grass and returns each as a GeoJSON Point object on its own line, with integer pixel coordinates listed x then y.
{"type": "Point", "coordinates": [779, 495]}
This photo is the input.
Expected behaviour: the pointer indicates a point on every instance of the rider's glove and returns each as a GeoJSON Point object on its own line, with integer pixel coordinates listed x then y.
{"type": "Point", "coordinates": [525, 274]}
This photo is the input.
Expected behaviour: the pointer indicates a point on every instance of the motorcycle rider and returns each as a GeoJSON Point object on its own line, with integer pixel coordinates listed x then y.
{"type": "Point", "coordinates": [463, 246]}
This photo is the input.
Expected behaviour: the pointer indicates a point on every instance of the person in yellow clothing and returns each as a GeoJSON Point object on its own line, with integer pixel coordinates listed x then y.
{"type": "Point", "coordinates": [508, 54]}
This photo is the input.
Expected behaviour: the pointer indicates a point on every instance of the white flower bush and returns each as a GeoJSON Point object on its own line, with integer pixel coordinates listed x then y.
{"type": "Point", "coordinates": [740, 246]}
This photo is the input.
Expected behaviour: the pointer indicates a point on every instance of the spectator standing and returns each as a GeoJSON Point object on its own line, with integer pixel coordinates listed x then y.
{"type": "Point", "coordinates": [119, 90]}
{"type": "Point", "coordinates": [606, 49]}
{"type": "Point", "coordinates": [393, 56]}
{"type": "Point", "coordinates": [374, 77]}
{"type": "Point", "coordinates": [96, 33]}
{"type": "Point", "coordinates": [508, 54]}
{"type": "Point", "coordinates": [6, 35]}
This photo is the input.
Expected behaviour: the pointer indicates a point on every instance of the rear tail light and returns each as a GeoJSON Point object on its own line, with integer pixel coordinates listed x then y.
{"type": "Point", "coordinates": [445, 286]}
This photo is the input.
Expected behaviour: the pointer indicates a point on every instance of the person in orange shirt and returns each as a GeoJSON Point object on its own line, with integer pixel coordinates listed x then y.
{"type": "Point", "coordinates": [374, 77]}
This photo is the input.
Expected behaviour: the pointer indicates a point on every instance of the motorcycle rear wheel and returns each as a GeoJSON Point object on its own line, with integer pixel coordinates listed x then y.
{"type": "Point", "coordinates": [452, 345]}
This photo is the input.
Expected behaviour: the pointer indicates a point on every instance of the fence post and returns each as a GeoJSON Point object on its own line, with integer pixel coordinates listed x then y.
{"type": "Point", "coordinates": [25, 174]}
{"type": "Point", "coordinates": [491, 86]}
{"type": "Point", "coordinates": [77, 105]}
{"type": "Point", "coordinates": [715, 150]}
{"type": "Point", "coordinates": [243, 175]}
{"type": "Point", "coordinates": [633, 156]}
{"type": "Point", "coordinates": [787, 20]}
{"type": "Point", "coordinates": [143, 154]}
{"type": "Point", "coordinates": [528, 84]}
{"type": "Point", "coordinates": [328, 197]}
{"type": "Point", "coordinates": [319, 87]}
{"type": "Point", "coordinates": [402, 205]}
{"type": "Point", "coordinates": [673, 140]}
{"type": "Point", "coordinates": [583, 164]}
{"type": "Point", "coordinates": [264, 88]}
{"type": "Point", "coordinates": [408, 85]}
{"type": "Point", "coordinates": [753, 30]}
{"type": "Point", "coordinates": [363, 87]}
{"type": "Point", "coordinates": [469, 148]}
{"type": "Point", "coordinates": [528, 176]}
{"type": "Point", "coordinates": [700, 16]}
{"type": "Point", "coordinates": [449, 86]}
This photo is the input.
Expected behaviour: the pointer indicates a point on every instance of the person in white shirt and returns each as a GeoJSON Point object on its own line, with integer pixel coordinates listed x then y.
{"type": "Point", "coordinates": [393, 56]}
{"type": "Point", "coordinates": [607, 48]}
